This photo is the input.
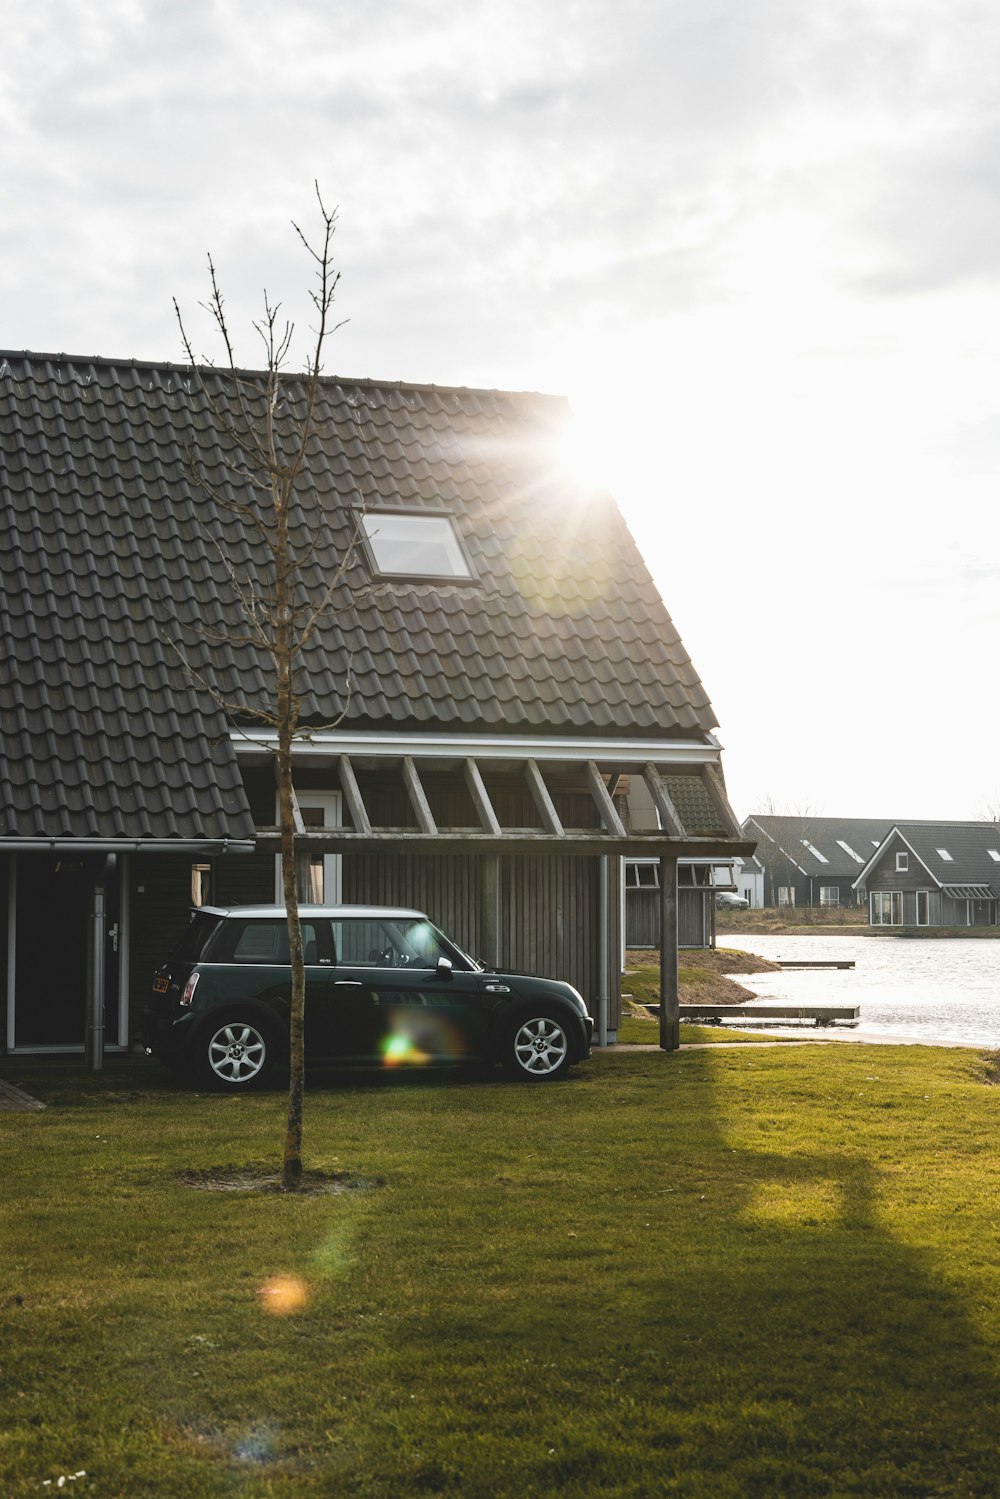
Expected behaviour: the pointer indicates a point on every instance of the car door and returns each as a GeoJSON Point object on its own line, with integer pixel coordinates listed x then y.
{"type": "Point", "coordinates": [405, 1008]}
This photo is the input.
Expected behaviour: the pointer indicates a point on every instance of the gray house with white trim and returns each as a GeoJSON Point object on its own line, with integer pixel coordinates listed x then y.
{"type": "Point", "coordinates": [934, 874]}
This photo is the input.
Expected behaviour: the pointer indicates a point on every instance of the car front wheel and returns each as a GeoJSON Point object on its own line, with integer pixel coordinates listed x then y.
{"type": "Point", "coordinates": [537, 1047]}
{"type": "Point", "coordinates": [236, 1055]}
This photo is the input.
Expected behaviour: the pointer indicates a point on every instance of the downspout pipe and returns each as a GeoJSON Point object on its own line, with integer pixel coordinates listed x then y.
{"type": "Point", "coordinates": [99, 926]}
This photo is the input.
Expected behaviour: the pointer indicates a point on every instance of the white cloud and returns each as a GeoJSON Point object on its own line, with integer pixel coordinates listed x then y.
{"type": "Point", "coordinates": [755, 243]}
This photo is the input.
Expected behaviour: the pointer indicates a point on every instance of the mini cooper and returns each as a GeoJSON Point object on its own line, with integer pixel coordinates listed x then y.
{"type": "Point", "coordinates": [383, 986]}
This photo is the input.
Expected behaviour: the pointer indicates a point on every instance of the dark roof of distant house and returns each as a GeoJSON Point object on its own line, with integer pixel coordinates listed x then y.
{"type": "Point", "coordinates": [110, 559]}
{"type": "Point", "coordinates": [954, 854]}
{"type": "Point", "coordinates": [834, 846]}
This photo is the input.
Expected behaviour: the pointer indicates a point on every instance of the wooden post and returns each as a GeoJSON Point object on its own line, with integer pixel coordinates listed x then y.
{"type": "Point", "coordinates": [670, 1034]}
{"type": "Point", "coordinates": [489, 884]}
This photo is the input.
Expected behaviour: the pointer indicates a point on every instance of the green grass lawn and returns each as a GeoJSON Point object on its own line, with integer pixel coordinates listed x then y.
{"type": "Point", "coordinates": [727, 1272]}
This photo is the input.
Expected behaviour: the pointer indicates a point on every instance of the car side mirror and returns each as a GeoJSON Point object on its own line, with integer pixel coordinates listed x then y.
{"type": "Point", "coordinates": [444, 968]}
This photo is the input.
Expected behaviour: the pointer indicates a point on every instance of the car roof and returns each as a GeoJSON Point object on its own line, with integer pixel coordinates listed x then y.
{"type": "Point", "coordinates": [272, 913]}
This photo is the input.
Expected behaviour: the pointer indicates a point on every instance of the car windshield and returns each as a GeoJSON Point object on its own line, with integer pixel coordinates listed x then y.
{"type": "Point", "coordinates": [397, 941]}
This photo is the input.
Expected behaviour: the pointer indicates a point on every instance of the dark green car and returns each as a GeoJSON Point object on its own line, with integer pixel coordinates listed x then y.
{"type": "Point", "coordinates": [383, 986]}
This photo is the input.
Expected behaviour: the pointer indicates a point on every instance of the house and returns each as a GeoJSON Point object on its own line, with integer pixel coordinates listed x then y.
{"type": "Point", "coordinates": [934, 874]}
{"type": "Point", "coordinates": [749, 876]}
{"type": "Point", "coordinates": [497, 670]}
{"type": "Point", "coordinates": [813, 861]}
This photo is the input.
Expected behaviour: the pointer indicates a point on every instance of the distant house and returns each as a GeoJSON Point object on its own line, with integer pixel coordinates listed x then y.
{"type": "Point", "coordinates": [813, 861]}
{"type": "Point", "coordinates": [498, 668]}
{"type": "Point", "coordinates": [934, 874]}
{"type": "Point", "coordinates": [749, 876]}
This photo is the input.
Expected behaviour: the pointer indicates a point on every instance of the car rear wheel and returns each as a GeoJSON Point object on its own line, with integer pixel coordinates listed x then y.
{"type": "Point", "coordinates": [237, 1055]}
{"type": "Point", "coordinates": [537, 1047]}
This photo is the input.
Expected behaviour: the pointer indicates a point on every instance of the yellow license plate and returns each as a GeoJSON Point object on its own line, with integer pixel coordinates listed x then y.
{"type": "Point", "coordinates": [160, 986]}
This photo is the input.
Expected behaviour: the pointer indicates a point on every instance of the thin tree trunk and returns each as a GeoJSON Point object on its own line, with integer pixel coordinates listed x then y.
{"type": "Point", "coordinates": [291, 1174]}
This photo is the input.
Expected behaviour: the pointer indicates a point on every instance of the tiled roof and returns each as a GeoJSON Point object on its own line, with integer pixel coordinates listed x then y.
{"type": "Point", "coordinates": [816, 844]}
{"type": "Point", "coordinates": [968, 844]}
{"type": "Point", "coordinates": [110, 559]}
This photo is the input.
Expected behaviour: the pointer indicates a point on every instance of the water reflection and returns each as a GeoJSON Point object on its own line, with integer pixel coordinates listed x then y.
{"type": "Point", "coordinates": [943, 990]}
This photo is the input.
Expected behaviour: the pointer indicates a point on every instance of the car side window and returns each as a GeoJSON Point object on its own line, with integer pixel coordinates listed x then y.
{"type": "Point", "coordinates": [402, 943]}
{"type": "Point", "coordinates": [364, 942]}
{"type": "Point", "coordinates": [264, 942]}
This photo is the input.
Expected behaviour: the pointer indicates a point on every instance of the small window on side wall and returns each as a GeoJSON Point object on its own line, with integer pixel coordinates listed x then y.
{"type": "Point", "coordinates": [902, 863]}
{"type": "Point", "coordinates": [415, 544]}
{"type": "Point", "coordinates": [201, 875]}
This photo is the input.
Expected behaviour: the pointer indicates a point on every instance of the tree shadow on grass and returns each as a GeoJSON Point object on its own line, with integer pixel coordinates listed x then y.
{"type": "Point", "coordinates": [820, 1354]}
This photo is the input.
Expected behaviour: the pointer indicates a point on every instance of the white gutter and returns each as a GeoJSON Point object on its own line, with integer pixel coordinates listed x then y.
{"type": "Point", "coordinates": [483, 747]}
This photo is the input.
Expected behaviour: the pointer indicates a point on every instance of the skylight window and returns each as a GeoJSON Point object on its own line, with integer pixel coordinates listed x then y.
{"type": "Point", "coordinates": [994, 854]}
{"type": "Point", "coordinates": [815, 851]}
{"type": "Point", "coordinates": [849, 850]}
{"type": "Point", "coordinates": [945, 854]}
{"type": "Point", "coordinates": [417, 544]}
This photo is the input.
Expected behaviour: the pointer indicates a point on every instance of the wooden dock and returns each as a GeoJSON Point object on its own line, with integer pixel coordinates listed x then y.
{"type": "Point", "coordinates": [819, 1014]}
{"type": "Point", "coordinates": [803, 963]}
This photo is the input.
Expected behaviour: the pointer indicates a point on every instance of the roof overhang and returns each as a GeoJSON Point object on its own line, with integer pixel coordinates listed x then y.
{"type": "Point", "coordinates": [499, 749]}
{"type": "Point", "coordinates": [969, 892]}
{"type": "Point", "coordinates": [597, 766]}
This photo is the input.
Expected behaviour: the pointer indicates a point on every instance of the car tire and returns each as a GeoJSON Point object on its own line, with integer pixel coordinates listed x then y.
{"type": "Point", "coordinates": [236, 1054]}
{"type": "Point", "coordinates": [537, 1047]}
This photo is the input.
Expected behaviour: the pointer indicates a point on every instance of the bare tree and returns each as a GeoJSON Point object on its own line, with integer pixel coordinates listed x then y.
{"type": "Point", "coordinates": [790, 831]}
{"type": "Point", "coordinates": [269, 426]}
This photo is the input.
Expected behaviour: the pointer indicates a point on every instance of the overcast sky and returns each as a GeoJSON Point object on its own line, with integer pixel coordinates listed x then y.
{"type": "Point", "coordinates": [757, 243]}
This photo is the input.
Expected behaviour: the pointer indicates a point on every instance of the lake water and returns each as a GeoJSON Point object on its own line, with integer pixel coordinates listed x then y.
{"type": "Point", "coordinates": [944, 991]}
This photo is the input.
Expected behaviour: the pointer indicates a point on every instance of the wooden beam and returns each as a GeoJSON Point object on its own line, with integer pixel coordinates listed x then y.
{"type": "Point", "coordinates": [480, 797]}
{"type": "Point", "coordinates": [298, 821]}
{"type": "Point", "coordinates": [669, 815]}
{"type": "Point", "coordinates": [520, 841]}
{"type": "Point", "coordinates": [418, 800]}
{"type": "Point", "coordinates": [352, 795]}
{"type": "Point", "coordinates": [605, 806]}
{"type": "Point", "coordinates": [543, 801]}
{"type": "Point", "coordinates": [713, 786]}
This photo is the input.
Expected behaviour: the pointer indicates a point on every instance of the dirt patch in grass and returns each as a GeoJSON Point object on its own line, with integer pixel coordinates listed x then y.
{"type": "Point", "coordinates": [705, 960]}
{"type": "Point", "coordinates": [256, 1177]}
{"type": "Point", "coordinates": [702, 976]}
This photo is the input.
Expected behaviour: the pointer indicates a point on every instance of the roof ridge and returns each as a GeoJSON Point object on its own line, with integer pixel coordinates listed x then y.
{"type": "Point", "coordinates": [101, 361]}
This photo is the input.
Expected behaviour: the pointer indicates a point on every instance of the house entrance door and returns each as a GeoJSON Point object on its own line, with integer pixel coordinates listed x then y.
{"type": "Point", "coordinates": [53, 960]}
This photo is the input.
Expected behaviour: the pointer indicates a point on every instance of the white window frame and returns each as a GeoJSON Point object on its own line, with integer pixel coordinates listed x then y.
{"type": "Point", "coordinates": [458, 569]}
{"type": "Point", "coordinates": [331, 804]}
{"type": "Point", "coordinates": [902, 861]}
{"type": "Point", "coordinates": [829, 895]}
{"type": "Point", "coordinates": [786, 896]}
{"type": "Point", "coordinates": [877, 902]}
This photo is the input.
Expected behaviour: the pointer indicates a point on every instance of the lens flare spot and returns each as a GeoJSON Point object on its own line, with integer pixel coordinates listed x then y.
{"type": "Point", "coordinates": [400, 1049]}
{"type": "Point", "coordinates": [284, 1294]}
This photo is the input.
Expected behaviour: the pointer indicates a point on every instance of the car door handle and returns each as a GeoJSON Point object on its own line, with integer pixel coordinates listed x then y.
{"type": "Point", "coordinates": [497, 989]}
{"type": "Point", "coordinates": [348, 984]}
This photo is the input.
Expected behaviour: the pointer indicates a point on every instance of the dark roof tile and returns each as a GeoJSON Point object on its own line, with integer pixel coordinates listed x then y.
{"type": "Point", "coordinates": [109, 559]}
